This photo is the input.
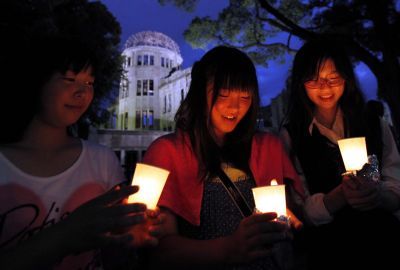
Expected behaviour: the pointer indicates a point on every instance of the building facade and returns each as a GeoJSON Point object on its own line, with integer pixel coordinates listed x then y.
{"type": "Point", "coordinates": [153, 84]}
{"type": "Point", "coordinates": [151, 89]}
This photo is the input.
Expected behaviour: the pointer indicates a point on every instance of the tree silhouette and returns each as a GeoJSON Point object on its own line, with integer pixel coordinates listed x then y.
{"type": "Point", "coordinates": [368, 29]}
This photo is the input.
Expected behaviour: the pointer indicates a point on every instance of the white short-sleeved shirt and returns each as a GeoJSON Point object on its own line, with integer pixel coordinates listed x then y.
{"type": "Point", "coordinates": [30, 203]}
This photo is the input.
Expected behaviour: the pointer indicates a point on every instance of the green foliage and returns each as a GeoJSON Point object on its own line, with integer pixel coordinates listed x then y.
{"type": "Point", "coordinates": [243, 24]}
{"type": "Point", "coordinates": [369, 30]}
{"type": "Point", "coordinates": [294, 9]}
{"type": "Point", "coordinates": [248, 23]}
{"type": "Point", "coordinates": [201, 32]}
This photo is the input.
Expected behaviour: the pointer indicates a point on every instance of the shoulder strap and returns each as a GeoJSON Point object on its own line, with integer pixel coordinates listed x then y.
{"type": "Point", "coordinates": [235, 194]}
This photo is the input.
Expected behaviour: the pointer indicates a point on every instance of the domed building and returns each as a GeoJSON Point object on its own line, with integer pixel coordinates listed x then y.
{"type": "Point", "coordinates": [153, 84]}
{"type": "Point", "coordinates": [150, 92]}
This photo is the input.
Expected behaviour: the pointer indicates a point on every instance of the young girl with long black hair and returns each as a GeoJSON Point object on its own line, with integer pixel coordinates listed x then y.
{"type": "Point", "coordinates": [216, 130]}
{"type": "Point", "coordinates": [350, 220]}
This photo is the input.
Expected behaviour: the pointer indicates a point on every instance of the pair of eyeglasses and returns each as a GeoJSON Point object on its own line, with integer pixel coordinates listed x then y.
{"type": "Point", "coordinates": [331, 82]}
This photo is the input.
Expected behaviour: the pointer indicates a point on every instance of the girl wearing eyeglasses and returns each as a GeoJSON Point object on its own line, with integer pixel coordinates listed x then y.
{"type": "Point", "coordinates": [350, 220]}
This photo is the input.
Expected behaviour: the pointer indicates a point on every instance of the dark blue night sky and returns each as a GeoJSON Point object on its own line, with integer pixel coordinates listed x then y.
{"type": "Point", "coordinates": [148, 15]}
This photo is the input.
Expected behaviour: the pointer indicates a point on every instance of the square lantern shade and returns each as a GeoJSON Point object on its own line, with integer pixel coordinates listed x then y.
{"type": "Point", "coordinates": [151, 181]}
{"type": "Point", "coordinates": [354, 153]}
{"type": "Point", "coordinates": [270, 198]}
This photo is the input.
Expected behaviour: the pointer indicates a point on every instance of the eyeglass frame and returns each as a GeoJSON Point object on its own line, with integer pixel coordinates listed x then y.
{"type": "Point", "coordinates": [323, 81]}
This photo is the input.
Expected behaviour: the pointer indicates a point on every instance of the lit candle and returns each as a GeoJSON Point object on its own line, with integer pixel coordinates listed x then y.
{"type": "Point", "coordinates": [271, 198]}
{"type": "Point", "coordinates": [151, 181]}
{"type": "Point", "coordinates": [354, 153]}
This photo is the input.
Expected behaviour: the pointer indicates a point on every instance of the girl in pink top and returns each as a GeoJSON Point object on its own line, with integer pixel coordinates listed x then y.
{"type": "Point", "coordinates": [216, 128]}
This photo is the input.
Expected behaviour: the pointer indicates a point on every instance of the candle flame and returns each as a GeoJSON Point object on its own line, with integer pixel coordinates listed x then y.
{"type": "Point", "coordinates": [354, 153]}
{"type": "Point", "coordinates": [270, 198]}
{"type": "Point", "coordinates": [151, 181]}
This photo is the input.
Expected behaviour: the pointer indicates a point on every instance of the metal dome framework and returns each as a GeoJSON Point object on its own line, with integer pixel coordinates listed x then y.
{"type": "Point", "coordinates": [152, 38]}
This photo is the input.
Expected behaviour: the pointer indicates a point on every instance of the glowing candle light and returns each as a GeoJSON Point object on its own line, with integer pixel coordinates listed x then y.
{"type": "Point", "coordinates": [151, 181]}
{"type": "Point", "coordinates": [354, 153]}
{"type": "Point", "coordinates": [271, 198]}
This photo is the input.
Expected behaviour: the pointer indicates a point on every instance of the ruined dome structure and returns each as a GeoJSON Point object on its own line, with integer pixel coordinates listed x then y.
{"type": "Point", "coordinates": [152, 38]}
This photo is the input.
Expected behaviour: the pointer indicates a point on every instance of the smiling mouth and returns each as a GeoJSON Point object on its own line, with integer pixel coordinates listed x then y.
{"type": "Point", "coordinates": [229, 117]}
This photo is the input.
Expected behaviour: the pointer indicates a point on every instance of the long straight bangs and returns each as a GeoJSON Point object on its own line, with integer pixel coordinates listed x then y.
{"type": "Point", "coordinates": [77, 57]}
{"type": "Point", "coordinates": [306, 66]}
{"type": "Point", "coordinates": [239, 77]}
{"type": "Point", "coordinates": [309, 63]}
{"type": "Point", "coordinates": [234, 75]}
{"type": "Point", "coordinates": [59, 54]}
{"type": "Point", "coordinates": [221, 68]}
{"type": "Point", "coordinates": [315, 54]}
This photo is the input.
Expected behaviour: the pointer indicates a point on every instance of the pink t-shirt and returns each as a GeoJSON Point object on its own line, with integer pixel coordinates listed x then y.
{"type": "Point", "coordinates": [183, 190]}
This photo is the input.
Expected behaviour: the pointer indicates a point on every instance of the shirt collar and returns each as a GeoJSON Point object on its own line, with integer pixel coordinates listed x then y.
{"type": "Point", "coordinates": [335, 133]}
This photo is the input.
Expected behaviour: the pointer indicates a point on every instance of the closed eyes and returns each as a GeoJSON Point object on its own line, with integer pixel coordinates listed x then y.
{"type": "Point", "coordinates": [72, 80]}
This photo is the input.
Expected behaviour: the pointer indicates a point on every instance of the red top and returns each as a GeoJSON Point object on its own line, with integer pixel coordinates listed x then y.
{"type": "Point", "coordinates": [183, 190]}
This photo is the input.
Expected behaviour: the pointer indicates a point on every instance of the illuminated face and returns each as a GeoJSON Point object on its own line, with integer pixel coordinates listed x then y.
{"type": "Point", "coordinates": [326, 89]}
{"type": "Point", "coordinates": [66, 97]}
{"type": "Point", "coordinates": [229, 109]}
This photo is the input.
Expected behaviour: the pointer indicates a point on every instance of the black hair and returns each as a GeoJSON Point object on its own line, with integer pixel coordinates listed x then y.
{"type": "Point", "coordinates": [374, 112]}
{"type": "Point", "coordinates": [306, 65]}
{"type": "Point", "coordinates": [375, 107]}
{"type": "Point", "coordinates": [27, 70]}
{"type": "Point", "coordinates": [222, 68]}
